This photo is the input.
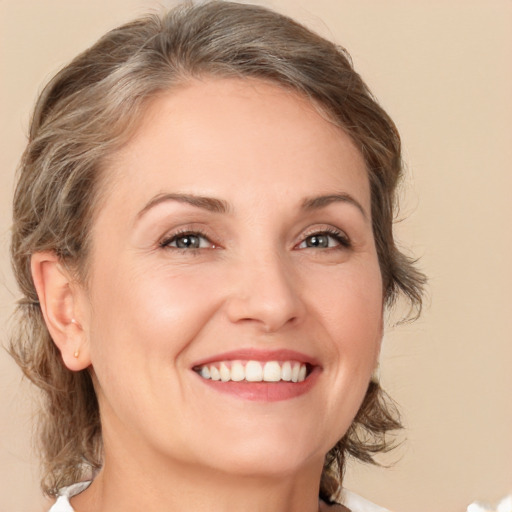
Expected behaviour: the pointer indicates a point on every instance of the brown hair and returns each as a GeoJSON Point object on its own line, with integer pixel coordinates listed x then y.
{"type": "Point", "coordinates": [92, 106]}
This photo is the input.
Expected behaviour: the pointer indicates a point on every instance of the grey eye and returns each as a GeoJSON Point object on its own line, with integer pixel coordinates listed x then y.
{"type": "Point", "coordinates": [321, 241]}
{"type": "Point", "coordinates": [188, 242]}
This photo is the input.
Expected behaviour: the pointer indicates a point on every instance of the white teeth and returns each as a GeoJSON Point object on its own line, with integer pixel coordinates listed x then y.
{"type": "Point", "coordinates": [255, 371]}
{"type": "Point", "coordinates": [225, 374]}
{"type": "Point", "coordinates": [237, 371]}
{"type": "Point", "coordinates": [295, 372]}
{"type": "Point", "coordinates": [214, 373]}
{"type": "Point", "coordinates": [272, 372]}
{"type": "Point", "coordinates": [286, 371]}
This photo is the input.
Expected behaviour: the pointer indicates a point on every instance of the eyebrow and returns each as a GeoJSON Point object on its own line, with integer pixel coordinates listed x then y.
{"type": "Point", "coordinates": [316, 203]}
{"type": "Point", "coordinates": [210, 204]}
{"type": "Point", "coordinates": [215, 205]}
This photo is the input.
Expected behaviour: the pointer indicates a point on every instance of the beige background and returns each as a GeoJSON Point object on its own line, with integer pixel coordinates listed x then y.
{"type": "Point", "coordinates": [443, 69]}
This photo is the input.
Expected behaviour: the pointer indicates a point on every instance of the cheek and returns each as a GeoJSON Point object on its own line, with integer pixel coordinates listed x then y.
{"type": "Point", "coordinates": [355, 291]}
{"type": "Point", "coordinates": [142, 323]}
{"type": "Point", "coordinates": [349, 304]}
{"type": "Point", "coordinates": [153, 310]}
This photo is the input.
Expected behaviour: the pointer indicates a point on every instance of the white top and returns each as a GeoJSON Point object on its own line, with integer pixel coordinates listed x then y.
{"type": "Point", "coordinates": [355, 503]}
{"type": "Point", "coordinates": [351, 500]}
{"type": "Point", "coordinates": [62, 504]}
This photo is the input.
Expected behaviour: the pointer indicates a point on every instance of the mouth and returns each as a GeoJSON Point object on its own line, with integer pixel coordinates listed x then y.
{"type": "Point", "coordinates": [259, 375]}
{"type": "Point", "coordinates": [255, 371]}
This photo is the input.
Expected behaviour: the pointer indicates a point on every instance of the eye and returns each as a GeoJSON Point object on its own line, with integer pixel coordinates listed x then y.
{"type": "Point", "coordinates": [189, 240]}
{"type": "Point", "coordinates": [326, 239]}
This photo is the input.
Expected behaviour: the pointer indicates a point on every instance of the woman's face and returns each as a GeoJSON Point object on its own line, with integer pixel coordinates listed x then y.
{"type": "Point", "coordinates": [233, 242]}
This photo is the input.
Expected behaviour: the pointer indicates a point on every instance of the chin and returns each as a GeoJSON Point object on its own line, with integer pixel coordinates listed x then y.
{"type": "Point", "coordinates": [267, 452]}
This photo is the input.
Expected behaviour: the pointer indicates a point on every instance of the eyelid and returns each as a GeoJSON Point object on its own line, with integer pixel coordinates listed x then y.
{"type": "Point", "coordinates": [168, 238]}
{"type": "Point", "coordinates": [338, 234]}
{"type": "Point", "coordinates": [341, 237]}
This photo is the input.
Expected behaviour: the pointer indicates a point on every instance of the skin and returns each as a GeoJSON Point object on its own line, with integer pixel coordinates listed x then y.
{"type": "Point", "coordinates": [150, 311]}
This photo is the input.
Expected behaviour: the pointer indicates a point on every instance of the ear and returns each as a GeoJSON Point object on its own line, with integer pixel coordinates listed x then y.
{"type": "Point", "coordinates": [62, 304]}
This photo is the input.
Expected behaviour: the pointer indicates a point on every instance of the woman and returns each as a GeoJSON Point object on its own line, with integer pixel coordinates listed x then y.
{"type": "Point", "coordinates": [203, 237]}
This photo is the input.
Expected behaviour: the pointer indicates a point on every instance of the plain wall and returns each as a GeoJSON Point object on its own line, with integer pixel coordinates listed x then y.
{"type": "Point", "coordinates": [443, 70]}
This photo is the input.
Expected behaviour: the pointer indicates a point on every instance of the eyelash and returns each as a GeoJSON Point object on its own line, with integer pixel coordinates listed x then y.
{"type": "Point", "coordinates": [165, 243]}
{"type": "Point", "coordinates": [339, 236]}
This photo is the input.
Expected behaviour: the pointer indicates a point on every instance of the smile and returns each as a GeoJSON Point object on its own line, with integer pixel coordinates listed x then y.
{"type": "Point", "coordinates": [259, 375]}
{"type": "Point", "coordinates": [254, 371]}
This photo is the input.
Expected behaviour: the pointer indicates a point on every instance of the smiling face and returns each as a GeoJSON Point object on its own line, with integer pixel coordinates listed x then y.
{"type": "Point", "coordinates": [234, 304]}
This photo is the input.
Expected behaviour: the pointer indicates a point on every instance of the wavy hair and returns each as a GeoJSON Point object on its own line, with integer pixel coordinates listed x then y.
{"type": "Point", "coordinates": [92, 106]}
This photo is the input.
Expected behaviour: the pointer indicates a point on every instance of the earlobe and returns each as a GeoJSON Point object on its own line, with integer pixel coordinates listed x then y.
{"type": "Point", "coordinates": [60, 300]}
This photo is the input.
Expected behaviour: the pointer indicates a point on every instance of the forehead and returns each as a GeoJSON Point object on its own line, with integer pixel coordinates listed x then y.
{"type": "Point", "coordinates": [239, 132]}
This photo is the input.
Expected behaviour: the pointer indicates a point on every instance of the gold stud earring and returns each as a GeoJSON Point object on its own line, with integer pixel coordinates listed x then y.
{"type": "Point", "coordinates": [76, 353]}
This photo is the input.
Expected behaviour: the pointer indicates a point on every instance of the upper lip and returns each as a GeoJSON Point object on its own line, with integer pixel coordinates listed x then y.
{"type": "Point", "coordinates": [254, 354]}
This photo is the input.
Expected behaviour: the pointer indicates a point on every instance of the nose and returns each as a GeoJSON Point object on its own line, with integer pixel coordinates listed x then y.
{"type": "Point", "coordinates": [266, 293]}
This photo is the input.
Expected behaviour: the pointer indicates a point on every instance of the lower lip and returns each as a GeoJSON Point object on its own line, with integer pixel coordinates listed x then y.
{"type": "Point", "coordinates": [264, 391]}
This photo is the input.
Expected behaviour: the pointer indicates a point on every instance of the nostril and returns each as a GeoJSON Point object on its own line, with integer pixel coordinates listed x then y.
{"type": "Point", "coordinates": [270, 314]}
